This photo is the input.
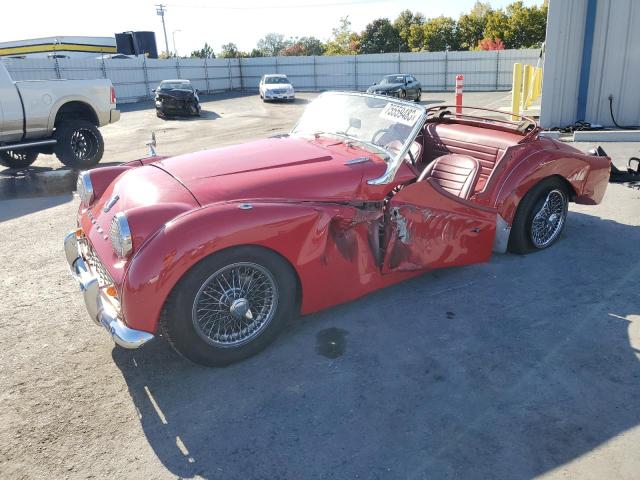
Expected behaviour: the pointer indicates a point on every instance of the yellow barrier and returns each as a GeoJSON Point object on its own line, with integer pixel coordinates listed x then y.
{"type": "Point", "coordinates": [527, 87]}
{"type": "Point", "coordinates": [516, 90]}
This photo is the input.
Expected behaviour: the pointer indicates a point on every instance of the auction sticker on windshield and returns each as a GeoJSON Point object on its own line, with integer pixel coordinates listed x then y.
{"type": "Point", "coordinates": [404, 114]}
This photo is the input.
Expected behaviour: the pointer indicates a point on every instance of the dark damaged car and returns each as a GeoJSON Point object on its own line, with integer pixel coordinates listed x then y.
{"type": "Point", "coordinates": [177, 97]}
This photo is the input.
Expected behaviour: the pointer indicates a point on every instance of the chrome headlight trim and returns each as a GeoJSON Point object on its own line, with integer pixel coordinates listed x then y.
{"type": "Point", "coordinates": [120, 235]}
{"type": "Point", "coordinates": [84, 187]}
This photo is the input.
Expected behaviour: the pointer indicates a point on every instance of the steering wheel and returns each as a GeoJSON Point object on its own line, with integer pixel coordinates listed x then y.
{"type": "Point", "coordinates": [380, 132]}
{"type": "Point", "coordinates": [397, 145]}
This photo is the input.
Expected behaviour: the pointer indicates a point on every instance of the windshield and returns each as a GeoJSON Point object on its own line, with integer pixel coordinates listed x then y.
{"type": "Point", "coordinates": [381, 123]}
{"type": "Point", "coordinates": [393, 79]}
{"type": "Point", "coordinates": [276, 80]}
{"type": "Point", "coordinates": [175, 86]}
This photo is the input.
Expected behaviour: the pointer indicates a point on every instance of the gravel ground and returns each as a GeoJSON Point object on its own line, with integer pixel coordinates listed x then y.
{"type": "Point", "coordinates": [521, 367]}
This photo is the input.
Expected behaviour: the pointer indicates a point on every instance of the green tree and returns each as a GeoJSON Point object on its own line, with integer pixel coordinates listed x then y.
{"type": "Point", "coordinates": [380, 36]}
{"type": "Point", "coordinates": [311, 46]}
{"type": "Point", "coordinates": [497, 26]}
{"type": "Point", "coordinates": [343, 41]}
{"type": "Point", "coordinates": [403, 24]}
{"type": "Point", "coordinates": [440, 34]}
{"type": "Point", "coordinates": [204, 52]}
{"type": "Point", "coordinates": [526, 26]}
{"type": "Point", "coordinates": [416, 38]}
{"type": "Point", "coordinates": [229, 50]}
{"type": "Point", "coordinates": [471, 26]}
{"type": "Point", "coordinates": [272, 44]}
{"type": "Point", "coordinates": [303, 46]}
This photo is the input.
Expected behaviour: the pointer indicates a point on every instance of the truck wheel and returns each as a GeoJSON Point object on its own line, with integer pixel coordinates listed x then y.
{"type": "Point", "coordinates": [230, 306]}
{"type": "Point", "coordinates": [18, 158]}
{"type": "Point", "coordinates": [80, 144]}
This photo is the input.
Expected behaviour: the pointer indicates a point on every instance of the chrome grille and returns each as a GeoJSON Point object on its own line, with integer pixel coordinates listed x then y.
{"type": "Point", "coordinates": [95, 265]}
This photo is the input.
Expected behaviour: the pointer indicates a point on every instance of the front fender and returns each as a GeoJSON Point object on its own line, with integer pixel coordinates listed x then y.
{"type": "Point", "coordinates": [297, 231]}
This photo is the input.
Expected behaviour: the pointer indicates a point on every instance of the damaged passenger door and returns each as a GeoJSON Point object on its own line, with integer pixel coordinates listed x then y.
{"type": "Point", "coordinates": [425, 228]}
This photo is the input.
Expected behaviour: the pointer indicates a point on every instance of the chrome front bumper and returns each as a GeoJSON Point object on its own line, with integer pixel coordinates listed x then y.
{"type": "Point", "coordinates": [100, 308]}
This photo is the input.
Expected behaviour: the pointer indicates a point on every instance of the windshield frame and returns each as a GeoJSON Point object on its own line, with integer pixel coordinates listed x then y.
{"type": "Point", "coordinates": [395, 161]}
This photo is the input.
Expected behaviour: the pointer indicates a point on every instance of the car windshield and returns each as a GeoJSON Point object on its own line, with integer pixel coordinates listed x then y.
{"type": "Point", "coordinates": [393, 79]}
{"type": "Point", "coordinates": [380, 123]}
{"type": "Point", "coordinates": [276, 80]}
{"type": "Point", "coordinates": [175, 86]}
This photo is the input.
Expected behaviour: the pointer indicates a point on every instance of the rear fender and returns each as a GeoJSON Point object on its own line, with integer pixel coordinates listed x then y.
{"type": "Point", "coordinates": [331, 248]}
{"type": "Point", "coordinates": [537, 166]}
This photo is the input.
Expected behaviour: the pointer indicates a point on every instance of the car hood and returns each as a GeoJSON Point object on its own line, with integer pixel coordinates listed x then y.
{"type": "Point", "coordinates": [277, 86]}
{"type": "Point", "coordinates": [177, 94]}
{"type": "Point", "coordinates": [386, 87]}
{"type": "Point", "coordinates": [275, 168]}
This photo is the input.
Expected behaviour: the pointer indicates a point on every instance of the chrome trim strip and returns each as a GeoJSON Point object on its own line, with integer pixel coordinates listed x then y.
{"type": "Point", "coordinates": [503, 229]}
{"type": "Point", "coordinates": [101, 311]}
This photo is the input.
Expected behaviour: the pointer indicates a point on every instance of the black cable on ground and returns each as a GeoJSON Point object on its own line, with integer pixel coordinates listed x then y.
{"type": "Point", "coordinates": [576, 127]}
{"type": "Point", "coordinates": [622, 127]}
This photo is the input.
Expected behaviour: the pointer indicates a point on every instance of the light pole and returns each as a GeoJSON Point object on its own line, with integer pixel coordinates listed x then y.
{"type": "Point", "coordinates": [173, 35]}
{"type": "Point", "coordinates": [160, 9]}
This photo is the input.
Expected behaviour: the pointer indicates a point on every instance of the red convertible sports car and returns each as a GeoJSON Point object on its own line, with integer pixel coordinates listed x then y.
{"type": "Point", "coordinates": [215, 250]}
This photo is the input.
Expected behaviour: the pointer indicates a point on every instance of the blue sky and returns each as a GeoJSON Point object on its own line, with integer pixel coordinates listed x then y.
{"type": "Point", "coordinates": [215, 21]}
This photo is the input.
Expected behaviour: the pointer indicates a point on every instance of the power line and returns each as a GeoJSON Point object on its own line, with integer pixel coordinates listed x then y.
{"type": "Point", "coordinates": [271, 7]}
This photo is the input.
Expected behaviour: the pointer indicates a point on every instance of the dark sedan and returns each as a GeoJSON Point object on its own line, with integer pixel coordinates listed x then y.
{"type": "Point", "coordinates": [177, 97]}
{"type": "Point", "coordinates": [399, 85]}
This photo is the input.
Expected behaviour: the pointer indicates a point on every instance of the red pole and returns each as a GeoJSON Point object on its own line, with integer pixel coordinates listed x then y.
{"type": "Point", "coordinates": [459, 84]}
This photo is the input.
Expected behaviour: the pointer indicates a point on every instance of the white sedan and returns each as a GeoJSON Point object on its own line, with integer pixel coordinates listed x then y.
{"type": "Point", "coordinates": [276, 87]}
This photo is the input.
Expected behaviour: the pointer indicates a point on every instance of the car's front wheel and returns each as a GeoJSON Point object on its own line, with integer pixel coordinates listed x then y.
{"type": "Point", "coordinates": [418, 96]}
{"type": "Point", "coordinates": [540, 217]}
{"type": "Point", "coordinates": [230, 306]}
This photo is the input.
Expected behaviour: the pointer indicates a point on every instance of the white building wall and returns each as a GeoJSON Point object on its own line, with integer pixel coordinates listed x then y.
{"type": "Point", "coordinates": [614, 63]}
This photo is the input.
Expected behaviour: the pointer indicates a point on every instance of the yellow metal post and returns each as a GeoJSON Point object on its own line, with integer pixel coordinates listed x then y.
{"type": "Point", "coordinates": [537, 85]}
{"type": "Point", "coordinates": [526, 87]}
{"type": "Point", "coordinates": [516, 90]}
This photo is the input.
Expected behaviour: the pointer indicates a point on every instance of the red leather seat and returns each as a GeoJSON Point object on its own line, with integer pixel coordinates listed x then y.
{"type": "Point", "coordinates": [457, 174]}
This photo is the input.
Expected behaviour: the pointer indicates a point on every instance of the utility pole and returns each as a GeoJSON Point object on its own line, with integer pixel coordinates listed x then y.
{"type": "Point", "coordinates": [160, 9]}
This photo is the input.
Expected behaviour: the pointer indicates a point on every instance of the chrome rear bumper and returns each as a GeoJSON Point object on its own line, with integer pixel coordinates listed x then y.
{"type": "Point", "coordinates": [100, 308]}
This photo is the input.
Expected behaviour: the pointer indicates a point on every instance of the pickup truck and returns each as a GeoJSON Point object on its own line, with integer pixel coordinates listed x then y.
{"type": "Point", "coordinates": [54, 116]}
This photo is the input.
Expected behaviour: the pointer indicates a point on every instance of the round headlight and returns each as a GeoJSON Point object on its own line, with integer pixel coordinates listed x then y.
{"type": "Point", "coordinates": [120, 235]}
{"type": "Point", "coordinates": [84, 188]}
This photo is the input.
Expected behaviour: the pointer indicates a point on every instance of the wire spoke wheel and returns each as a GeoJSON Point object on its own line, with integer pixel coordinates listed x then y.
{"type": "Point", "coordinates": [235, 304]}
{"type": "Point", "coordinates": [548, 221]}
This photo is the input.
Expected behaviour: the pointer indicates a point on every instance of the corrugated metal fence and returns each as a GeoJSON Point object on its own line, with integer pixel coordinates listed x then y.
{"type": "Point", "coordinates": [135, 78]}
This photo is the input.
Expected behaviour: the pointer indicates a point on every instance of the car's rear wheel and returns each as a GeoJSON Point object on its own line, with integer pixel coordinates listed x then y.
{"type": "Point", "coordinates": [230, 306]}
{"type": "Point", "coordinates": [18, 158]}
{"type": "Point", "coordinates": [540, 217]}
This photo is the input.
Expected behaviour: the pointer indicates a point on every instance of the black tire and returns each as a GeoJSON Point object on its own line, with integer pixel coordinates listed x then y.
{"type": "Point", "coordinates": [177, 321]}
{"type": "Point", "coordinates": [419, 96]}
{"type": "Point", "coordinates": [159, 113]}
{"type": "Point", "coordinates": [403, 94]}
{"type": "Point", "coordinates": [521, 238]}
{"type": "Point", "coordinates": [80, 144]}
{"type": "Point", "coordinates": [18, 158]}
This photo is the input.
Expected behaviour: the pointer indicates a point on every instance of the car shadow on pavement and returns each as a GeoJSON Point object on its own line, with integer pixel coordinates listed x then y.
{"type": "Point", "coordinates": [502, 370]}
{"type": "Point", "coordinates": [15, 208]}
